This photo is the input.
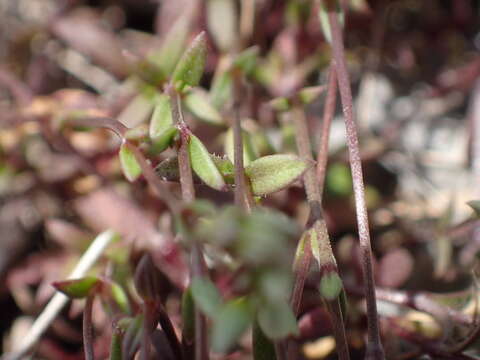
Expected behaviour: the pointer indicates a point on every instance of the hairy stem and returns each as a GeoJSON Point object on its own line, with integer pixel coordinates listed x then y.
{"type": "Point", "coordinates": [88, 328]}
{"type": "Point", "coordinates": [240, 190]}
{"type": "Point", "coordinates": [374, 346]}
{"type": "Point", "coordinates": [316, 214]}
{"type": "Point", "coordinates": [328, 112]}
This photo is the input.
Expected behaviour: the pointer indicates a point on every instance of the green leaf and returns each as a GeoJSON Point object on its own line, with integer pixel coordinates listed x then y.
{"type": "Point", "coordinates": [166, 57]}
{"type": "Point", "coordinates": [339, 180]}
{"type": "Point", "coordinates": [164, 140]}
{"type": "Point", "coordinates": [203, 165]}
{"type": "Point", "coordinates": [198, 104]}
{"type": "Point", "coordinates": [161, 119]}
{"type": "Point", "coordinates": [263, 348]}
{"type": "Point", "coordinates": [310, 94]}
{"type": "Point", "coordinates": [330, 285]}
{"type": "Point", "coordinates": [247, 59]}
{"type": "Point", "coordinates": [277, 320]}
{"type": "Point", "coordinates": [130, 167]}
{"type": "Point", "coordinates": [226, 168]}
{"type": "Point", "coordinates": [274, 172]}
{"type": "Point", "coordinates": [280, 104]}
{"type": "Point", "coordinates": [190, 68]}
{"type": "Point", "coordinates": [232, 321]}
{"type": "Point", "coordinates": [206, 296]}
{"type": "Point", "coordinates": [275, 284]}
{"type": "Point", "coordinates": [77, 288]}
{"type": "Point", "coordinates": [249, 151]}
{"type": "Point", "coordinates": [120, 297]}
{"type": "Point", "coordinates": [222, 84]}
{"type": "Point", "coordinates": [188, 316]}
{"type": "Point", "coordinates": [475, 205]}
{"type": "Point", "coordinates": [222, 23]}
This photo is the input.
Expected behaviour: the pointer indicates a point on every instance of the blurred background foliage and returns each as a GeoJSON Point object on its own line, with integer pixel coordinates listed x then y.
{"type": "Point", "coordinates": [414, 67]}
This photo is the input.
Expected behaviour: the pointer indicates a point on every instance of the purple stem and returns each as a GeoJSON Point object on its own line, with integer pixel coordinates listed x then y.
{"type": "Point", "coordinates": [328, 112]}
{"type": "Point", "coordinates": [374, 345]}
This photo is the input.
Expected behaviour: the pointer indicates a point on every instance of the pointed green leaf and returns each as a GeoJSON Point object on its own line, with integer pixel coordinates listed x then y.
{"type": "Point", "coordinates": [475, 205]}
{"type": "Point", "coordinates": [222, 84]}
{"type": "Point", "coordinates": [77, 288]}
{"type": "Point", "coordinates": [274, 172]}
{"type": "Point", "coordinates": [263, 348]}
{"type": "Point", "coordinates": [280, 104]}
{"type": "Point", "coordinates": [198, 104]}
{"type": "Point", "coordinates": [206, 296]}
{"type": "Point", "coordinates": [249, 151]}
{"type": "Point", "coordinates": [166, 57]}
{"type": "Point", "coordinates": [247, 60]}
{"type": "Point", "coordinates": [331, 285]}
{"type": "Point", "coordinates": [190, 68]}
{"type": "Point", "coordinates": [161, 119]}
{"type": "Point", "coordinates": [164, 140]}
{"type": "Point", "coordinates": [231, 322]}
{"type": "Point", "coordinates": [130, 167]}
{"type": "Point", "coordinates": [203, 165]}
{"type": "Point", "coordinates": [120, 297]}
{"type": "Point", "coordinates": [277, 320]}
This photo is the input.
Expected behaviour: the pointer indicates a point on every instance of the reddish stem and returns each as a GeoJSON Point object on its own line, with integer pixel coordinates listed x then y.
{"type": "Point", "coordinates": [328, 112]}
{"type": "Point", "coordinates": [374, 346]}
{"type": "Point", "coordinates": [88, 328]}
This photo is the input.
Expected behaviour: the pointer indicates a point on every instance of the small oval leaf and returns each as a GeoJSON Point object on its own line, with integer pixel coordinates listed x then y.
{"type": "Point", "coordinates": [232, 321]}
{"type": "Point", "coordinates": [77, 288]}
{"type": "Point", "coordinates": [206, 296]}
{"type": "Point", "coordinates": [331, 285]}
{"type": "Point", "coordinates": [166, 57]}
{"type": "Point", "coordinates": [130, 167]}
{"type": "Point", "coordinates": [277, 320]}
{"type": "Point", "coordinates": [161, 119]}
{"type": "Point", "coordinates": [274, 172]}
{"type": "Point", "coordinates": [189, 69]}
{"type": "Point", "coordinates": [164, 140]}
{"type": "Point", "coordinates": [198, 104]}
{"type": "Point", "coordinates": [203, 165]}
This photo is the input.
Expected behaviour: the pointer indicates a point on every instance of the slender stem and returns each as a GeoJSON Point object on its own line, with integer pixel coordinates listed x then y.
{"type": "Point", "coordinates": [242, 191]}
{"type": "Point", "coordinates": [328, 112]}
{"type": "Point", "coordinates": [301, 269]}
{"type": "Point", "coordinates": [374, 346]}
{"type": "Point", "coordinates": [88, 328]}
{"type": "Point", "coordinates": [197, 263]}
{"type": "Point", "coordinates": [316, 217]}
